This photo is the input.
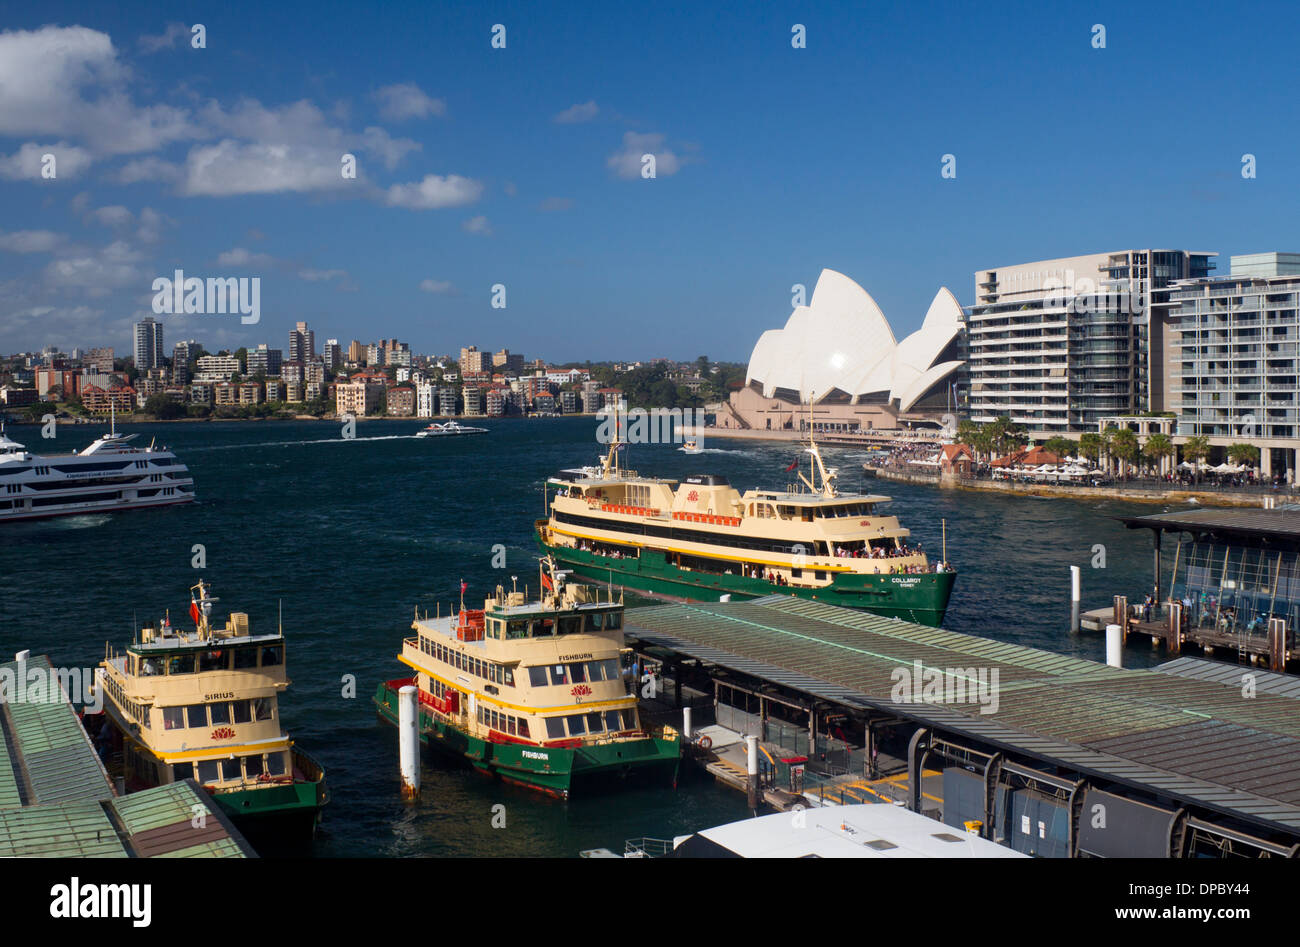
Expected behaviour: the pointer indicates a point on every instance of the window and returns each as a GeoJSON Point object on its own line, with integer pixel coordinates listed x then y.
{"type": "Point", "coordinates": [613, 620]}
{"type": "Point", "coordinates": [554, 727]}
{"type": "Point", "coordinates": [212, 661]}
{"type": "Point", "coordinates": [150, 667]}
{"type": "Point", "coordinates": [523, 728]}
{"type": "Point", "coordinates": [596, 621]}
{"type": "Point", "coordinates": [594, 724]}
{"type": "Point", "coordinates": [558, 674]}
{"type": "Point", "coordinates": [173, 718]}
{"type": "Point", "coordinates": [544, 628]}
{"type": "Point", "coordinates": [242, 712]}
{"type": "Point", "coordinates": [611, 669]}
{"type": "Point", "coordinates": [181, 664]}
{"type": "Point", "coordinates": [245, 658]}
{"type": "Point", "coordinates": [230, 769]}
{"type": "Point", "coordinates": [577, 725]}
{"type": "Point", "coordinates": [182, 771]}
{"type": "Point", "coordinates": [196, 715]}
{"type": "Point", "coordinates": [272, 656]}
{"type": "Point", "coordinates": [220, 713]}
{"type": "Point", "coordinates": [613, 721]}
{"type": "Point", "coordinates": [537, 677]}
{"type": "Point", "coordinates": [517, 629]}
{"type": "Point", "coordinates": [262, 708]}
{"type": "Point", "coordinates": [252, 766]}
{"type": "Point", "coordinates": [509, 677]}
{"type": "Point", "coordinates": [578, 673]}
{"type": "Point", "coordinates": [208, 771]}
{"type": "Point", "coordinates": [571, 625]}
{"type": "Point", "coordinates": [514, 729]}
{"type": "Point", "coordinates": [275, 764]}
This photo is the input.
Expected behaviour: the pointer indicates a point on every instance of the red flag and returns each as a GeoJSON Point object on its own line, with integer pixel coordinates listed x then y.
{"type": "Point", "coordinates": [546, 581]}
{"type": "Point", "coordinates": [793, 464]}
{"type": "Point", "coordinates": [463, 586]}
{"type": "Point", "coordinates": [194, 611]}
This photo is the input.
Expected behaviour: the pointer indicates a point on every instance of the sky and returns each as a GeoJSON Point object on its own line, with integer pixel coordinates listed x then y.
{"type": "Point", "coordinates": [521, 166]}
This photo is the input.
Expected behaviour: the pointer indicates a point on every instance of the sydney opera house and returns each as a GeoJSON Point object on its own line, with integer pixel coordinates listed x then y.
{"type": "Point", "coordinates": [837, 361]}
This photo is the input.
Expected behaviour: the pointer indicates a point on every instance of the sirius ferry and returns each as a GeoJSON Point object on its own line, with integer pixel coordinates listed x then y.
{"type": "Point", "coordinates": [702, 539]}
{"type": "Point", "coordinates": [201, 704]}
{"type": "Point", "coordinates": [109, 475]}
{"type": "Point", "coordinates": [532, 692]}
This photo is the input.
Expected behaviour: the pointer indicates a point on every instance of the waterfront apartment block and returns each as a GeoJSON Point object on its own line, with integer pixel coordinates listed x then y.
{"type": "Point", "coordinates": [473, 398]}
{"type": "Point", "coordinates": [216, 367]}
{"type": "Point", "coordinates": [1236, 351]}
{"type": "Point", "coordinates": [302, 343]}
{"type": "Point", "coordinates": [357, 398]}
{"type": "Point", "coordinates": [1058, 344]}
{"type": "Point", "coordinates": [148, 344]}
{"type": "Point", "coordinates": [401, 402]}
{"type": "Point", "coordinates": [265, 360]}
{"type": "Point", "coordinates": [446, 401]}
{"type": "Point", "coordinates": [472, 360]}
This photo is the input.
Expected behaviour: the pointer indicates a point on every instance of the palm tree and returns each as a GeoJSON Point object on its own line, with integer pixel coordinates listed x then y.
{"type": "Point", "coordinates": [1243, 454]}
{"type": "Point", "coordinates": [1124, 445]}
{"type": "Point", "coordinates": [1091, 445]}
{"type": "Point", "coordinates": [1158, 447]}
{"type": "Point", "coordinates": [1060, 446]}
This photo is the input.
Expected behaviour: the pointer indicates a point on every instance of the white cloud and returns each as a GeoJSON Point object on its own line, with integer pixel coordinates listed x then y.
{"type": "Point", "coordinates": [231, 167]}
{"type": "Point", "coordinates": [113, 216]}
{"type": "Point", "coordinates": [28, 162]}
{"type": "Point", "coordinates": [627, 161]}
{"type": "Point", "coordinates": [583, 112]}
{"type": "Point", "coordinates": [97, 273]}
{"type": "Point", "coordinates": [390, 150]}
{"type": "Point", "coordinates": [406, 100]}
{"type": "Point", "coordinates": [438, 287]}
{"type": "Point", "coordinates": [147, 169]}
{"type": "Point", "coordinates": [30, 241]}
{"type": "Point", "coordinates": [165, 40]}
{"type": "Point", "coordinates": [151, 225]}
{"type": "Point", "coordinates": [435, 191]}
{"type": "Point", "coordinates": [320, 276]}
{"type": "Point", "coordinates": [238, 256]}
{"type": "Point", "coordinates": [478, 225]}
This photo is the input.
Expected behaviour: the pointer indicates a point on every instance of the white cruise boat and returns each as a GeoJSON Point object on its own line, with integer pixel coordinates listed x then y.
{"type": "Point", "coordinates": [111, 474]}
{"type": "Point", "coordinates": [450, 429]}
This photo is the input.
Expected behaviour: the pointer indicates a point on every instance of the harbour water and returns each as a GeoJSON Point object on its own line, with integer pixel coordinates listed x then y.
{"type": "Point", "coordinates": [348, 536]}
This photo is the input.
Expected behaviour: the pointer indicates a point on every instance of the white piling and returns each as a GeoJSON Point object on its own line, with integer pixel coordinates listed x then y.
{"type": "Point", "coordinates": [408, 738]}
{"type": "Point", "coordinates": [751, 747]}
{"type": "Point", "coordinates": [1114, 646]}
{"type": "Point", "coordinates": [686, 723]}
{"type": "Point", "coordinates": [22, 656]}
{"type": "Point", "coordinates": [724, 597]}
{"type": "Point", "coordinates": [1074, 600]}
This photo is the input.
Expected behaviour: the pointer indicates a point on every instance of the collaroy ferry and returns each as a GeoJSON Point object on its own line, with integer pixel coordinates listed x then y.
{"type": "Point", "coordinates": [702, 539]}
{"type": "Point", "coordinates": [532, 692]}
{"type": "Point", "coordinates": [201, 705]}
{"type": "Point", "coordinates": [107, 476]}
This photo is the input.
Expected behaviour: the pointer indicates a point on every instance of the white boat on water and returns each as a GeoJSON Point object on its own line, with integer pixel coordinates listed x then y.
{"type": "Point", "coordinates": [450, 429]}
{"type": "Point", "coordinates": [692, 446]}
{"type": "Point", "coordinates": [110, 475]}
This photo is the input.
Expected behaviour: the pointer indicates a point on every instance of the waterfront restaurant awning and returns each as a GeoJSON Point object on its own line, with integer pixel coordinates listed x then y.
{"type": "Point", "coordinates": [1269, 529]}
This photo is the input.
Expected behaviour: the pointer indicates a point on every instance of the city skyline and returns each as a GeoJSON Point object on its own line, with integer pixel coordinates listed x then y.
{"type": "Point", "coordinates": [471, 176]}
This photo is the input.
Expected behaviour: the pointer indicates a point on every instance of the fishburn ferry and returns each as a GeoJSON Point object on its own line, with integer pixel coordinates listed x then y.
{"type": "Point", "coordinates": [107, 476]}
{"type": "Point", "coordinates": [702, 539]}
{"type": "Point", "coordinates": [532, 692]}
{"type": "Point", "coordinates": [202, 705]}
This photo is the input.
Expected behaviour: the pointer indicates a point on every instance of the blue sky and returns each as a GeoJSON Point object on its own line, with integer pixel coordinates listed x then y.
{"type": "Point", "coordinates": [773, 162]}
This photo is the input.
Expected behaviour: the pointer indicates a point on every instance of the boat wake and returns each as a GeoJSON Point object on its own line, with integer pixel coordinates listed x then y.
{"type": "Point", "coordinates": [318, 440]}
{"type": "Point", "coordinates": [86, 521]}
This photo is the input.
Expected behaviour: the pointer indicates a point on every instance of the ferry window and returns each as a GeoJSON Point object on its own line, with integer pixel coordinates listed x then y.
{"type": "Point", "coordinates": [242, 713]}
{"type": "Point", "coordinates": [272, 656]}
{"type": "Point", "coordinates": [537, 677]}
{"type": "Point", "coordinates": [182, 771]}
{"type": "Point", "coordinates": [181, 664]}
{"type": "Point", "coordinates": [594, 723]}
{"type": "Point", "coordinates": [558, 674]}
{"type": "Point", "coordinates": [578, 673]}
{"type": "Point", "coordinates": [275, 764]}
{"type": "Point", "coordinates": [544, 628]}
{"type": "Point", "coordinates": [230, 769]}
{"type": "Point", "coordinates": [510, 677]}
{"type": "Point", "coordinates": [208, 771]}
{"type": "Point", "coordinates": [245, 658]}
{"type": "Point", "coordinates": [571, 625]}
{"type": "Point", "coordinates": [577, 725]}
{"type": "Point", "coordinates": [596, 621]}
{"type": "Point", "coordinates": [554, 727]}
{"type": "Point", "coordinates": [517, 629]}
{"type": "Point", "coordinates": [220, 713]}
{"type": "Point", "coordinates": [796, 573]}
{"type": "Point", "coordinates": [150, 667]}
{"type": "Point", "coordinates": [196, 715]}
{"type": "Point", "coordinates": [262, 708]}
{"type": "Point", "coordinates": [613, 620]}
{"type": "Point", "coordinates": [523, 728]}
{"type": "Point", "coordinates": [212, 661]}
{"type": "Point", "coordinates": [173, 718]}
{"type": "Point", "coordinates": [611, 669]}
{"type": "Point", "coordinates": [819, 575]}
{"type": "Point", "coordinates": [613, 722]}
{"type": "Point", "coordinates": [252, 766]}
{"type": "Point", "coordinates": [514, 730]}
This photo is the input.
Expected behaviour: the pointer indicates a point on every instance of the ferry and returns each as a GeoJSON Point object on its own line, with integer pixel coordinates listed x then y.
{"type": "Point", "coordinates": [692, 446]}
{"type": "Point", "coordinates": [449, 429]}
{"type": "Point", "coordinates": [702, 540]}
{"type": "Point", "coordinates": [109, 475]}
{"type": "Point", "coordinates": [532, 692]}
{"type": "Point", "coordinates": [202, 705]}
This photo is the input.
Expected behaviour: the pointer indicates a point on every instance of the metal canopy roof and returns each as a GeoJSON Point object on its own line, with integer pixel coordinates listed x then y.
{"type": "Point", "coordinates": [1149, 730]}
{"type": "Point", "coordinates": [1275, 528]}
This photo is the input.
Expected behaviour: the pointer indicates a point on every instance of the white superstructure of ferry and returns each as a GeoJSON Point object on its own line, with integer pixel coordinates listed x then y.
{"type": "Point", "coordinates": [111, 474]}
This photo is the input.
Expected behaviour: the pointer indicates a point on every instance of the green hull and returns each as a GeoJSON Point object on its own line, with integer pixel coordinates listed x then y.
{"type": "Point", "coordinates": [553, 770]}
{"type": "Point", "coordinates": [917, 598]}
{"type": "Point", "coordinates": [292, 809]}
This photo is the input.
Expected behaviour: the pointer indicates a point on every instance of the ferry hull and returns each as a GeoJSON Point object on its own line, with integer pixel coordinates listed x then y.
{"type": "Point", "coordinates": [919, 598]}
{"type": "Point", "coordinates": [556, 771]}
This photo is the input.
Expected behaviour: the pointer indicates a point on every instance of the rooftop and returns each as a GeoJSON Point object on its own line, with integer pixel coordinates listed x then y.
{"type": "Point", "coordinates": [1277, 528]}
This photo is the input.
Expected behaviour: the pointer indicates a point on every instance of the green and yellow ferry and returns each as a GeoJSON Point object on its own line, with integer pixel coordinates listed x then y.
{"type": "Point", "coordinates": [701, 539]}
{"type": "Point", "coordinates": [532, 692]}
{"type": "Point", "coordinates": [201, 704]}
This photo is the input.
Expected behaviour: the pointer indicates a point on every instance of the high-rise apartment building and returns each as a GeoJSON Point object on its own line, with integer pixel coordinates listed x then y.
{"type": "Point", "coordinates": [331, 354]}
{"type": "Point", "coordinates": [472, 360]}
{"type": "Point", "coordinates": [302, 343]}
{"type": "Point", "coordinates": [265, 360]}
{"type": "Point", "coordinates": [100, 360]}
{"type": "Point", "coordinates": [511, 363]}
{"type": "Point", "coordinates": [148, 344]}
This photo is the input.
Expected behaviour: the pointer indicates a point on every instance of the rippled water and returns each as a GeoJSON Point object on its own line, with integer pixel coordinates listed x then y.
{"type": "Point", "coordinates": [350, 536]}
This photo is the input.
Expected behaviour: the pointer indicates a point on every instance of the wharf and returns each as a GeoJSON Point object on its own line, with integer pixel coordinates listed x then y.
{"type": "Point", "coordinates": [1023, 742]}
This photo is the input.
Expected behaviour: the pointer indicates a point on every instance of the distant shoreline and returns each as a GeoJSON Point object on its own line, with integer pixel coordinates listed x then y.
{"type": "Point", "coordinates": [333, 419]}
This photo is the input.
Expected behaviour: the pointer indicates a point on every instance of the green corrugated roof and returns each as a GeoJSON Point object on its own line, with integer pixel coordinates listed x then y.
{"type": "Point", "coordinates": [70, 830]}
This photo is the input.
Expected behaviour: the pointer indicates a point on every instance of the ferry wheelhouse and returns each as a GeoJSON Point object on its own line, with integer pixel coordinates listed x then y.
{"type": "Point", "coordinates": [109, 475]}
{"type": "Point", "coordinates": [701, 539]}
{"type": "Point", "coordinates": [532, 692]}
{"type": "Point", "coordinates": [203, 705]}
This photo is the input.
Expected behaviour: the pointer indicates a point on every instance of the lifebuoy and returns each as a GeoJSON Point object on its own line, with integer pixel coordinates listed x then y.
{"type": "Point", "coordinates": [704, 743]}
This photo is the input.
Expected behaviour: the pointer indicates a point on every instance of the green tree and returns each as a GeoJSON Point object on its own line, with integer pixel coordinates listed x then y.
{"type": "Point", "coordinates": [1157, 448]}
{"type": "Point", "coordinates": [1196, 449]}
{"type": "Point", "coordinates": [1243, 454]}
{"type": "Point", "coordinates": [1124, 446]}
{"type": "Point", "coordinates": [1091, 445]}
{"type": "Point", "coordinates": [1061, 446]}
{"type": "Point", "coordinates": [163, 408]}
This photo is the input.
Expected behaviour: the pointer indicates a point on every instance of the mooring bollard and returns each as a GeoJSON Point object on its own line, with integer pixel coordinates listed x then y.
{"type": "Point", "coordinates": [408, 739]}
{"type": "Point", "coordinates": [1114, 646]}
{"type": "Point", "coordinates": [751, 747]}
{"type": "Point", "coordinates": [1074, 600]}
{"type": "Point", "coordinates": [686, 724]}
